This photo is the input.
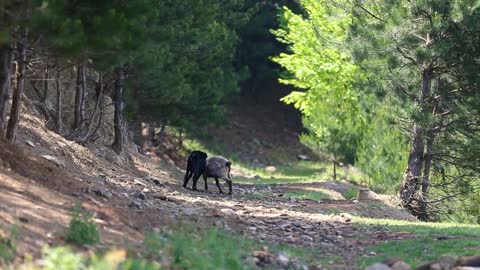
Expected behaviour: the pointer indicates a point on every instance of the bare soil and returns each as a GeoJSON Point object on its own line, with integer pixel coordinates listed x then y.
{"type": "Point", "coordinates": [134, 193]}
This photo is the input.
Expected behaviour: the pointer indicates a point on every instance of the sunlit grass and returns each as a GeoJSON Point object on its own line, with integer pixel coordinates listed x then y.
{"type": "Point", "coordinates": [418, 251]}
{"type": "Point", "coordinates": [302, 195]}
{"type": "Point", "coordinates": [422, 228]}
{"type": "Point", "coordinates": [298, 172]}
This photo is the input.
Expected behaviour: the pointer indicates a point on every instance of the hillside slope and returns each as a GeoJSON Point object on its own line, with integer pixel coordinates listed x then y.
{"type": "Point", "coordinates": [134, 194]}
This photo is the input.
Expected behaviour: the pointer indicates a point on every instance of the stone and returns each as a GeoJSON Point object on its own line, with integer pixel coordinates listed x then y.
{"type": "Point", "coordinates": [364, 194]}
{"type": "Point", "coordinates": [401, 265]}
{"type": "Point", "coordinates": [103, 193]}
{"type": "Point", "coordinates": [141, 196]}
{"type": "Point", "coordinates": [30, 143]}
{"type": "Point", "coordinates": [270, 168]}
{"type": "Point", "coordinates": [135, 204]}
{"type": "Point", "coordinates": [468, 261]}
{"type": "Point", "coordinates": [303, 157]}
{"type": "Point", "coordinates": [282, 259]}
{"type": "Point", "coordinates": [378, 266]}
{"type": "Point", "coordinates": [55, 160]}
{"type": "Point", "coordinates": [158, 183]}
{"type": "Point", "coordinates": [227, 211]}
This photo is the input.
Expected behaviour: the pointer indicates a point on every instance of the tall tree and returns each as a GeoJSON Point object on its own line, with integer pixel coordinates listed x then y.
{"type": "Point", "coordinates": [421, 49]}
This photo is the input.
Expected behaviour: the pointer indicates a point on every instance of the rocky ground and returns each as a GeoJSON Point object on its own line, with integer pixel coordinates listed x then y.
{"type": "Point", "coordinates": [43, 175]}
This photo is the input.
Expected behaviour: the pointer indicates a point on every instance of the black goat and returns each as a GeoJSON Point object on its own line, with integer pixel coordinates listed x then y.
{"type": "Point", "coordinates": [196, 165]}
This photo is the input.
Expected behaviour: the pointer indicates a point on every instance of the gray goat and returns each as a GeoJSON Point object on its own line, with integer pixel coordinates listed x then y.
{"type": "Point", "coordinates": [219, 167]}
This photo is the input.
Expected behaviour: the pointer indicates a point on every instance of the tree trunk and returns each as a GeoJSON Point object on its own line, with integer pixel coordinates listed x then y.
{"type": "Point", "coordinates": [118, 144]}
{"type": "Point", "coordinates": [88, 133]}
{"type": "Point", "coordinates": [413, 172]}
{"type": "Point", "coordinates": [59, 103]}
{"type": "Point", "coordinates": [17, 93]}
{"type": "Point", "coordinates": [6, 59]}
{"type": "Point", "coordinates": [45, 86]}
{"type": "Point", "coordinates": [79, 111]}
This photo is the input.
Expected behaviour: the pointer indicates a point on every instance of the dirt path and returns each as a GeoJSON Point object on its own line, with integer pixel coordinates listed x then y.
{"type": "Point", "coordinates": [136, 194]}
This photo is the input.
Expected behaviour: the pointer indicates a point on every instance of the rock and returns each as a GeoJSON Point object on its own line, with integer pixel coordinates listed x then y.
{"type": "Point", "coordinates": [364, 194]}
{"type": "Point", "coordinates": [378, 266]}
{"type": "Point", "coordinates": [141, 196]}
{"type": "Point", "coordinates": [270, 168]}
{"type": "Point", "coordinates": [113, 157]}
{"type": "Point", "coordinates": [468, 261]}
{"type": "Point", "coordinates": [135, 204]}
{"type": "Point", "coordinates": [316, 267]}
{"type": "Point", "coordinates": [303, 157]}
{"type": "Point", "coordinates": [264, 257]}
{"type": "Point", "coordinates": [30, 143]}
{"type": "Point", "coordinates": [466, 268]}
{"type": "Point", "coordinates": [139, 181]}
{"type": "Point", "coordinates": [161, 197]}
{"type": "Point", "coordinates": [23, 219]}
{"type": "Point", "coordinates": [227, 211]}
{"type": "Point", "coordinates": [444, 263]}
{"type": "Point", "coordinates": [158, 183]}
{"type": "Point", "coordinates": [55, 160]}
{"type": "Point", "coordinates": [103, 193]}
{"type": "Point", "coordinates": [307, 238]}
{"type": "Point", "coordinates": [215, 213]}
{"type": "Point", "coordinates": [282, 259]}
{"type": "Point", "coordinates": [401, 265]}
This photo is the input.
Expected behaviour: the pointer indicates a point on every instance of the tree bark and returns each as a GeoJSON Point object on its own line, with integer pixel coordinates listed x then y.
{"type": "Point", "coordinates": [88, 133]}
{"type": "Point", "coordinates": [79, 110]}
{"type": "Point", "coordinates": [59, 123]}
{"type": "Point", "coordinates": [118, 144]}
{"type": "Point", "coordinates": [413, 172]}
{"type": "Point", "coordinates": [17, 93]}
{"type": "Point", "coordinates": [6, 59]}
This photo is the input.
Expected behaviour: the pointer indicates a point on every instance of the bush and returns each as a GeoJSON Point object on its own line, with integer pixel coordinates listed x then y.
{"type": "Point", "coordinates": [82, 229]}
{"type": "Point", "coordinates": [8, 245]}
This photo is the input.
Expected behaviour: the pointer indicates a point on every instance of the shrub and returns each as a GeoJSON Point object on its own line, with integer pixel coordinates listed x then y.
{"type": "Point", "coordinates": [82, 229]}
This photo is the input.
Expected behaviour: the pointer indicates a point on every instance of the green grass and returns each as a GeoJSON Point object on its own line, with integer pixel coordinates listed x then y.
{"type": "Point", "coordinates": [181, 249]}
{"type": "Point", "coordinates": [82, 230]}
{"type": "Point", "coordinates": [422, 228]}
{"type": "Point", "coordinates": [213, 249]}
{"type": "Point", "coordinates": [418, 251]}
{"type": "Point", "coordinates": [351, 193]}
{"type": "Point", "coordinates": [426, 246]}
{"type": "Point", "coordinates": [298, 172]}
{"type": "Point", "coordinates": [302, 195]}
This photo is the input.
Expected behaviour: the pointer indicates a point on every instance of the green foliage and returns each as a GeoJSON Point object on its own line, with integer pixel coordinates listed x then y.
{"type": "Point", "coordinates": [185, 70]}
{"type": "Point", "coordinates": [351, 193]}
{"type": "Point", "coordinates": [8, 245]}
{"type": "Point", "coordinates": [208, 250]}
{"type": "Point", "coordinates": [63, 258]}
{"type": "Point", "coordinates": [82, 229]}
{"type": "Point", "coordinates": [330, 108]}
{"type": "Point", "coordinates": [344, 118]}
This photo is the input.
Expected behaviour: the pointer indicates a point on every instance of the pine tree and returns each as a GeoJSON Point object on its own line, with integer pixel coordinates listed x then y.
{"type": "Point", "coordinates": [420, 50]}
